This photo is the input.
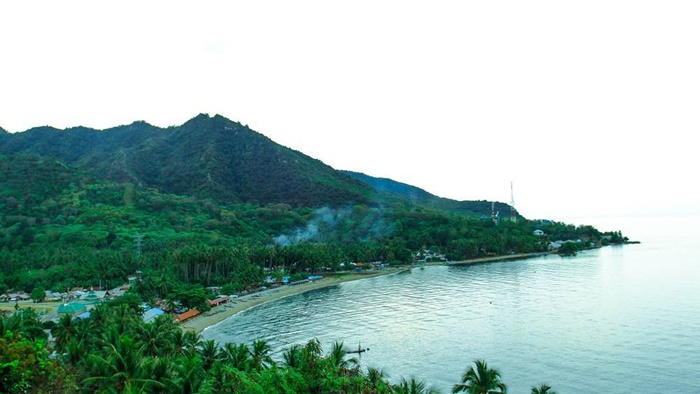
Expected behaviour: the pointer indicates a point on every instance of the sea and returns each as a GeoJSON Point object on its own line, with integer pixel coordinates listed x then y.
{"type": "Point", "coordinates": [618, 319]}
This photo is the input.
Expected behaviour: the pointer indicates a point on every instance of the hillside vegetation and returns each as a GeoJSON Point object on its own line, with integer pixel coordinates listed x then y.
{"type": "Point", "coordinates": [209, 204]}
{"type": "Point", "coordinates": [212, 202]}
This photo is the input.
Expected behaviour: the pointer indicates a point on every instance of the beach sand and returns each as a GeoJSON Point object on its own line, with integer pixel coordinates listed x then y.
{"type": "Point", "coordinates": [220, 313]}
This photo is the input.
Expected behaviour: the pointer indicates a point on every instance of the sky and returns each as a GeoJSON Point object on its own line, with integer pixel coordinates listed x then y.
{"type": "Point", "coordinates": [590, 108]}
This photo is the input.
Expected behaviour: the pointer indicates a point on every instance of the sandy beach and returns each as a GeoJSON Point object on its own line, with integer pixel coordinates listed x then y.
{"type": "Point", "coordinates": [220, 313]}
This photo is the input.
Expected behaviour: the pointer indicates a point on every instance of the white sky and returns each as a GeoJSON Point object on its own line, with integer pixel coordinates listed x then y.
{"type": "Point", "coordinates": [591, 108]}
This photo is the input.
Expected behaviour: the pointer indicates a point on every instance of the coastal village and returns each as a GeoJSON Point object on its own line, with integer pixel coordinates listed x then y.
{"type": "Point", "coordinates": [78, 302]}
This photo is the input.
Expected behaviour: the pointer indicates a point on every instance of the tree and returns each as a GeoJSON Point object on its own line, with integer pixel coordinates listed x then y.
{"type": "Point", "coordinates": [260, 355]}
{"type": "Point", "coordinates": [38, 294]}
{"type": "Point", "coordinates": [121, 368]}
{"type": "Point", "coordinates": [480, 379]}
{"type": "Point", "coordinates": [236, 356]}
{"type": "Point", "coordinates": [413, 386]}
{"type": "Point", "coordinates": [337, 357]}
{"type": "Point", "coordinates": [208, 353]}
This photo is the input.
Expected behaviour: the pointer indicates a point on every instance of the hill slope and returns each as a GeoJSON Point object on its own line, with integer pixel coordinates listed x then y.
{"type": "Point", "coordinates": [207, 157]}
{"type": "Point", "coordinates": [415, 195]}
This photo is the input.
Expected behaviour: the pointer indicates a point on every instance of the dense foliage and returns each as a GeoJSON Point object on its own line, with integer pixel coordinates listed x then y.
{"type": "Point", "coordinates": [208, 203]}
{"type": "Point", "coordinates": [206, 157]}
{"type": "Point", "coordinates": [62, 228]}
{"type": "Point", "coordinates": [114, 351]}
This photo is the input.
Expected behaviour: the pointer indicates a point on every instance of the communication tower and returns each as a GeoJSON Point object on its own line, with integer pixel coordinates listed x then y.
{"type": "Point", "coordinates": [138, 242]}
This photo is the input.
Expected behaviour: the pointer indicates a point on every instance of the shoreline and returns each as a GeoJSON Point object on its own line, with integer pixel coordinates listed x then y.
{"type": "Point", "coordinates": [218, 314]}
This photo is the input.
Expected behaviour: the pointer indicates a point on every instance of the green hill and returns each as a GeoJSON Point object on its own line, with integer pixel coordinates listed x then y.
{"type": "Point", "coordinates": [207, 157]}
{"type": "Point", "coordinates": [213, 203]}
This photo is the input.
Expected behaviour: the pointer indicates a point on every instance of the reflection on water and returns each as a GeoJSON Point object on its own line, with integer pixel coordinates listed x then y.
{"type": "Point", "coordinates": [615, 320]}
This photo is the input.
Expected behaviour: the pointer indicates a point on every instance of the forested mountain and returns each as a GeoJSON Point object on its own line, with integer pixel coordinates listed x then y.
{"type": "Point", "coordinates": [207, 157]}
{"type": "Point", "coordinates": [415, 195]}
{"type": "Point", "coordinates": [189, 209]}
{"type": "Point", "coordinates": [213, 157]}
{"type": "Point", "coordinates": [215, 203]}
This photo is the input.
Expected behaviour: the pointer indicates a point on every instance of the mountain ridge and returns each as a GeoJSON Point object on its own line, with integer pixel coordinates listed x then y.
{"type": "Point", "coordinates": [206, 157]}
{"type": "Point", "coordinates": [214, 157]}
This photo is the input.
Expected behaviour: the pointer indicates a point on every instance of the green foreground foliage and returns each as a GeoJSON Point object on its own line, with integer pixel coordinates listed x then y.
{"type": "Point", "coordinates": [114, 351]}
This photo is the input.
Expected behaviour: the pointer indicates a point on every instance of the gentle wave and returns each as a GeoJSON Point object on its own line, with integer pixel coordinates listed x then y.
{"type": "Point", "coordinates": [606, 321]}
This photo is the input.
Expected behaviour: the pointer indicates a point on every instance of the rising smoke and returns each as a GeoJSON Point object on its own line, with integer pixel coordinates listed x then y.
{"type": "Point", "coordinates": [359, 224]}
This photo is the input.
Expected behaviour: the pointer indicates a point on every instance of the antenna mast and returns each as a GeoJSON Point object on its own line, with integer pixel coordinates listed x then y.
{"type": "Point", "coordinates": [138, 240]}
{"type": "Point", "coordinates": [513, 215]}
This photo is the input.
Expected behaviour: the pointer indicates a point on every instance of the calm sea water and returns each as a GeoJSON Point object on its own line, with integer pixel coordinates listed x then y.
{"type": "Point", "coordinates": [620, 319]}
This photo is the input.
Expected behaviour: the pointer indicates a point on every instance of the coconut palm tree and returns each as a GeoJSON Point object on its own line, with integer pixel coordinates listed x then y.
{"type": "Point", "coordinates": [375, 379]}
{"type": "Point", "coordinates": [64, 331]}
{"type": "Point", "coordinates": [208, 352]}
{"type": "Point", "coordinates": [121, 368]}
{"type": "Point", "coordinates": [413, 386]}
{"type": "Point", "coordinates": [189, 373]}
{"type": "Point", "coordinates": [292, 356]}
{"type": "Point", "coordinates": [191, 341]}
{"type": "Point", "coordinates": [161, 370]}
{"type": "Point", "coordinates": [480, 379]}
{"type": "Point", "coordinates": [337, 358]}
{"type": "Point", "coordinates": [237, 356]}
{"type": "Point", "coordinates": [543, 389]}
{"type": "Point", "coordinates": [260, 355]}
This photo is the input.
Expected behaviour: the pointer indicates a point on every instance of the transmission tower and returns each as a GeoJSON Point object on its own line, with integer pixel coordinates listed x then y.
{"type": "Point", "coordinates": [138, 241]}
{"type": "Point", "coordinates": [513, 215]}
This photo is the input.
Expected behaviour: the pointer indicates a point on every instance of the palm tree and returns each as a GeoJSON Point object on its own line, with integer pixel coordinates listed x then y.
{"type": "Point", "coordinates": [480, 379]}
{"type": "Point", "coordinates": [191, 341]}
{"type": "Point", "coordinates": [161, 370]}
{"type": "Point", "coordinates": [189, 373]}
{"type": "Point", "coordinates": [543, 389]}
{"type": "Point", "coordinates": [153, 339]}
{"type": "Point", "coordinates": [337, 357]}
{"type": "Point", "coordinates": [292, 356]}
{"type": "Point", "coordinates": [64, 331]}
{"type": "Point", "coordinates": [413, 386]}
{"type": "Point", "coordinates": [260, 355]}
{"type": "Point", "coordinates": [237, 356]}
{"type": "Point", "coordinates": [122, 368]}
{"type": "Point", "coordinates": [208, 352]}
{"type": "Point", "coordinates": [375, 378]}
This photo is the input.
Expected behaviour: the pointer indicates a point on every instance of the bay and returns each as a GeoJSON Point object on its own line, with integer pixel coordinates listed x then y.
{"type": "Point", "coordinates": [617, 319]}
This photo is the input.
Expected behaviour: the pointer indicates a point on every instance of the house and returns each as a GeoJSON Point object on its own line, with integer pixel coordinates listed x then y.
{"type": "Point", "coordinates": [117, 291]}
{"type": "Point", "coordinates": [187, 315]}
{"type": "Point", "coordinates": [538, 232]}
{"type": "Point", "coordinates": [151, 314]}
{"type": "Point", "coordinates": [92, 298]}
{"type": "Point", "coordinates": [83, 315]}
{"type": "Point", "coordinates": [73, 308]}
{"type": "Point", "coordinates": [52, 296]}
